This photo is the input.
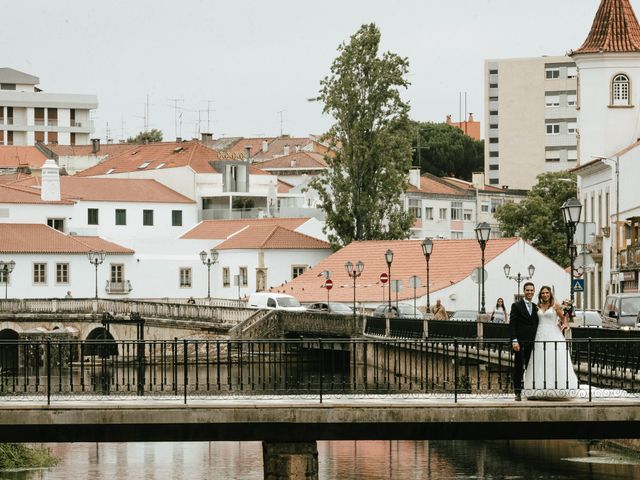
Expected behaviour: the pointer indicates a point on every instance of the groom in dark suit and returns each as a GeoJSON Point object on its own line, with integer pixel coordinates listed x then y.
{"type": "Point", "coordinates": [523, 323]}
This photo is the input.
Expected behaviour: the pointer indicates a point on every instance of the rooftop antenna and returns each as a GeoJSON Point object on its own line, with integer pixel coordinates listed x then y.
{"type": "Point", "coordinates": [209, 102]}
{"type": "Point", "coordinates": [175, 114]}
{"type": "Point", "coordinates": [281, 113]}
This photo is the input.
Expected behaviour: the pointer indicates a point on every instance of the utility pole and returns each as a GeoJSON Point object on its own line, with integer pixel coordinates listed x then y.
{"type": "Point", "coordinates": [281, 113]}
{"type": "Point", "coordinates": [175, 114]}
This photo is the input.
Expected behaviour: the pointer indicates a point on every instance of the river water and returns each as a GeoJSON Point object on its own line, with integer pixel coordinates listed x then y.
{"type": "Point", "coordinates": [344, 460]}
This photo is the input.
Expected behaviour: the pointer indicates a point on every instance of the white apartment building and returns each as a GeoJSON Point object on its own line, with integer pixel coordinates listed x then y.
{"type": "Point", "coordinates": [530, 119]}
{"type": "Point", "coordinates": [28, 115]}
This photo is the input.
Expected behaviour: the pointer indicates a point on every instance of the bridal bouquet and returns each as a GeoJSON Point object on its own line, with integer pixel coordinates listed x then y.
{"type": "Point", "coordinates": [567, 309]}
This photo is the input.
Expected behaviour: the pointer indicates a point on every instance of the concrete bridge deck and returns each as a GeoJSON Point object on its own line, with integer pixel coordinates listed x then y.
{"type": "Point", "coordinates": [306, 420]}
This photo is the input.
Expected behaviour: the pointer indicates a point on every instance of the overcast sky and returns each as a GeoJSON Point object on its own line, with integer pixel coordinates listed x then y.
{"type": "Point", "coordinates": [250, 59]}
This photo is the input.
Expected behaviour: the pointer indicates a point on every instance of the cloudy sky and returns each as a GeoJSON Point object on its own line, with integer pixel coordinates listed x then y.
{"type": "Point", "coordinates": [254, 63]}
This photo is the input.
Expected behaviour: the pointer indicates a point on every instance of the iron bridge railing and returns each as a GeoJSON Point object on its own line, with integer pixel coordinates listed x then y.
{"type": "Point", "coordinates": [186, 369]}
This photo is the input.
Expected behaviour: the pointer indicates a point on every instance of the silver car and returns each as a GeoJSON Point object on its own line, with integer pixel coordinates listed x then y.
{"type": "Point", "coordinates": [587, 318]}
{"type": "Point", "coordinates": [464, 316]}
{"type": "Point", "coordinates": [331, 307]}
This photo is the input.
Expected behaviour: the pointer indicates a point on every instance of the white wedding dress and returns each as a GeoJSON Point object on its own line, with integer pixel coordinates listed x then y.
{"type": "Point", "coordinates": [549, 373]}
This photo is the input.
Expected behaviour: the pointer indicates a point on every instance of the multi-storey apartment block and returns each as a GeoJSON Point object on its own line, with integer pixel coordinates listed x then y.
{"type": "Point", "coordinates": [29, 116]}
{"type": "Point", "coordinates": [530, 119]}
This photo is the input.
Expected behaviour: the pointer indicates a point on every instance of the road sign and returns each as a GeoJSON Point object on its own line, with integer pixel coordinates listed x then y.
{"type": "Point", "coordinates": [384, 277]}
{"type": "Point", "coordinates": [476, 275]}
{"type": "Point", "coordinates": [584, 260]}
{"type": "Point", "coordinates": [585, 233]}
{"type": "Point", "coordinates": [396, 286]}
{"type": "Point", "coordinates": [578, 285]}
{"type": "Point", "coordinates": [414, 281]}
{"type": "Point", "coordinates": [328, 284]}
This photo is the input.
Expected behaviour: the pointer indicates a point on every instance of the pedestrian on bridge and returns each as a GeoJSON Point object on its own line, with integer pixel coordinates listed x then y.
{"type": "Point", "coordinates": [499, 314]}
{"type": "Point", "coordinates": [439, 312]}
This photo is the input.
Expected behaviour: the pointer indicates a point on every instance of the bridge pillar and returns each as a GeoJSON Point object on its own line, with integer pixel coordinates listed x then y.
{"type": "Point", "coordinates": [290, 461]}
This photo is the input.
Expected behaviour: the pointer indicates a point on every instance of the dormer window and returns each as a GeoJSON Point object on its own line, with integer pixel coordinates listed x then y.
{"type": "Point", "coordinates": [143, 165]}
{"type": "Point", "coordinates": [111, 170]}
{"type": "Point", "coordinates": [620, 89]}
{"type": "Point", "coordinates": [160, 165]}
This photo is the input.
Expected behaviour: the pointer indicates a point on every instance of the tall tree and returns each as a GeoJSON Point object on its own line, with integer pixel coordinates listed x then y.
{"type": "Point", "coordinates": [150, 136]}
{"type": "Point", "coordinates": [538, 218]}
{"type": "Point", "coordinates": [361, 190]}
{"type": "Point", "coordinates": [444, 150]}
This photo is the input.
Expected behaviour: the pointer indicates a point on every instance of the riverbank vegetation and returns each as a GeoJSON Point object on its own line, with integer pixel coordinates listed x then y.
{"type": "Point", "coordinates": [20, 455]}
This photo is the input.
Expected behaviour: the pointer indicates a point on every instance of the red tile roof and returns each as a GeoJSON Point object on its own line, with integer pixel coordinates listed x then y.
{"type": "Point", "coordinates": [112, 189]}
{"type": "Point", "coordinates": [450, 262]}
{"type": "Point", "coordinates": [615, 29]}
{"type": "Point", "coordinates": [284, 187]}
{"type": "Point", "coordinates": [302, 160]}
{"type": "Point", "coordinates": [86, 150]}
{"type": "Point", "coordinates": [432, 184]}
{"type": "Point", "coordinates": [276, 147]}
{"type": "Point", "coordinates": [223, 229]}
{"type": "Point", "coordinates": [469, 185]}
{"type": "Point", "coordinates": [15, 193]}
{"type": "Point", "coordinates": [271, 237]}
{"type": "Point", "coordinates": [38, 238]}
{"type": "Point", "coordinates": [13, 157]}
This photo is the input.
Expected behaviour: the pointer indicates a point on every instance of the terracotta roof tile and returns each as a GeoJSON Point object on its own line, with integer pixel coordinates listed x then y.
{"type": "Point", "coordinates": [271, 237]}
{"type": "Point", "coordinates": [450, 262]}
{"type": "Point", "coordinates": [223, 229]}
{"type": "Point", "coordinates": [465, 184]}
{"type": "Point", "coordinates": [432, 184]}
{"type": "Point", "coordinates": [302, 160]}
{"type": "Point", "coordinates": [615, 29]}
{"type": "Point", "coordinates": [15, 193]}
{"type": "Point", "coordinates": [38, 238]}
{"type": "Point", "coordinates": [13, 157]}
{"type": "Point", "coordinates": [276, 147]}
{"type": "Point", "coordinates": [86, 150]}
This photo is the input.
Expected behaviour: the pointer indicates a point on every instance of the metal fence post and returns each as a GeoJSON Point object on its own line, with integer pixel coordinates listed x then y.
{"type": "Point", "coordinates": [48, 372]}
{"type": "Point", "coordinates": [186, 375]}
{"type": "Point", "coordinates": [455, 370]}
{"type": "Point", "coordinates": [321, 368]}
{"type": "Point", "coordinates": [589, 364]}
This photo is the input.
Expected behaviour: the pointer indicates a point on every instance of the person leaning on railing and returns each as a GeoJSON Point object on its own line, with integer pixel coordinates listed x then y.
{"type": "Point", "coordinates": [439, 312]}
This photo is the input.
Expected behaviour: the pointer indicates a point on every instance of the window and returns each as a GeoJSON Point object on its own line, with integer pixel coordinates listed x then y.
{"type": "Point", "coordinates": [493, 99]}
{"type": "Point", "coordinates": [456, 210]}
{"type": "Point", "coordinates": [117, 273]}
{"type": "Point", "coordinates": [92, 216]}
{"type": "Point", "coordinates": [551, 73]}
{"type": "Point", "coordinates": [443, 214]}
{"type": "Point", "coordinates": [414, 208]}
{"type": "Point", "coordinates": [428, 213]}
{"type": "Point", "coordinates": [493, 125]}
{"type": "Point", "coordinates": [493, 154]}
{"type": "Point", "coordinates": [553, 128]}
{"type": "Point", "coordinates": [176, 218]}
{"type": "Point", "coordinates": [110, 171]}
{"type": "Point", "coordinates": [143, 165]}
{"type": "Point", "coordinates": [494, 167]}
{"type": "Point", "coordinates": [572, 100]}
{"type": "Point", "coordinates": [495, 203]}
{"type": "Point", "coordinates": [56, 223]}
{"type": "Point", "coordinates": [620, 90]}
{"type": "Point", "coordinates": [572, 155]}
{"type": "Point", "coordinates": [484, 208]}
{"type": "Point", "coordinates": [147, 218]}
{"type": "Point", "coordinates": [40, 273]}
{"type": "Point", "coordinates": [493, 140]}
{"type": "Point", "coordinates": [121, 216]}
{"type": "Point", "coordinates": [185, 278]}
{"type": "Point", "coordinates": [7, 86]}
{"type": "Point", "coordinates": [493, 72]}
{"type": "Point", "coordinates": [572, 72]}
{"type": "Point", "coordinates": [493, 85]}
{"type": "Point", "coordinates": [572, 128]}
{"type": "Point", "coordinates": [552, 156]}
{"type": "Point", "coordinates": [493, 112]}
{"type": "Point", "coordinates": [226, 278]}
{"type": "Point", "coordinates": [62, 273]}
{"type": "Point", "coordinates": [244, 277]}
{"type": "Point", "coordinates": [493, 181]}
{"type": "Point", "coordinates": [297, 270]}
{"type": "Point", "coordinates": [3, 277]}
{"type": "Point", "coordinates": [552, 100]}
{"type": "Point", "coordinates": [456, 235]}
{"type": "Point", "coordinates": [467, 214]}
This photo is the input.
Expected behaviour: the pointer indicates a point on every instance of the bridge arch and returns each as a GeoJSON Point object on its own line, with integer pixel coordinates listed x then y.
{"type": "Point", "coordinates": [10, 326]}
{"type": "Point", "coordinates": [9, 352]}
{"type": "Point", "coordinates": [100, 343]}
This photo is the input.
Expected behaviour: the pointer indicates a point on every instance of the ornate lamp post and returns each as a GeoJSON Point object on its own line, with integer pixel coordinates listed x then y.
{"type": "Point", "coordinates": [427, 248]}
{"type": "Point", "coordinates": [354, 271]}
{"type": "Point", "coordinates": [571, 210]}
{"type": "Point", "coordinates": [209, 260]}
{"type": "Point", "coordinates": [388, 256]}
{"type": "Point", "coordinates": [483, 231]}
{"type": "Point", "coordinates": [95, 259]}
{"type": "Point", "coordinates": [519, 277]}
{"type": "Point", "coordinates": [5, 269]}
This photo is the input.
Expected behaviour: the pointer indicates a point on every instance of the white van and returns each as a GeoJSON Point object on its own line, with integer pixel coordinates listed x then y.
{"type": "Point", "coordinates": [274, 301]}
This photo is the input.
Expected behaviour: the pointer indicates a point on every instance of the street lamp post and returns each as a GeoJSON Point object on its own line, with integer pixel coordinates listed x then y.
{"type": "Point", "coordinates": [427, 248]}
{"type": "Point", "coordinates": [483, 231]}
{"type": "Point", "coordinates": [519, 277]}
{"type": "Point", "coordinates": [354, 271]}
{"type": "Point", "coordinates": [96, 258]}
{"type": "Point", "coordinates": [6, 268]}
{"type": "Point", "coordinates": [209, 260]}
{"type": "Point", "coordinates": [571, 210]}
{"type": "Point", "coordinates": [389, 258]}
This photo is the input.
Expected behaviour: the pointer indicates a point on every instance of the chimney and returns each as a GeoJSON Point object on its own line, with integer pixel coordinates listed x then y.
{"type": "Point", "coordinates": [286, 150]}
{"type": "Point", "coordinates": [207, 137]}
{"type": "Point", "coordinates": [247, 149]}
{"type": "Point", "coordinates": [477, 179]}
{"type": "Point", "coordinates": [470, 118]}
{"type": "Point", "coordinates": [265, 146]}
{"type": "Point", "coordinates": [294, 163]}
{"type": "Point", "coordinates": [414, 177]}
{"type": "Point", "coordinates": [298, 148]}
{"type": "Point", "coordinates": [448, 120]}
{"type": "Point", "coordinates": [178, 139]}
{"type": "Point", "coordinates": [50, 187]}
{"type": "Point", "coordinates": [95, 145]}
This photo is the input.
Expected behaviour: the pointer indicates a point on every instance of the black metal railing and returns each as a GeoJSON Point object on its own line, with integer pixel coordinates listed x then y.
{"type": "Point", "coordinates": [212, 368]}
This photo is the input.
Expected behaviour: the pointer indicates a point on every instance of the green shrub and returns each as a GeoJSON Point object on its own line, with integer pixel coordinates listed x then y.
{"type": "Point", "coordinates": [20, 455]}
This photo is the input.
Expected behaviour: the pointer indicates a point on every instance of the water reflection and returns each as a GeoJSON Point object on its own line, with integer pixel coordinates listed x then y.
{"type": "Point", "coordinates": [349, 460]}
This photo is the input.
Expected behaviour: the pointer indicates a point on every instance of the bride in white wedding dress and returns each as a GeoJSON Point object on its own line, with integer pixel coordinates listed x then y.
{"type": "Point", "coordinates": [549, 373]}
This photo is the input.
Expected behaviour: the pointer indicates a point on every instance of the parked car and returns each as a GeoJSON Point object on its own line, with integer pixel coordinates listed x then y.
{"type": "Point", "coordinates": [587, 318]}
{"type": "Point", "coordinates": [621, 310]}
{"type": "Point", "coordinates": [464, 316]}
{"type": "Point", "coordinates": [331, 307]}
{"type": "Point", "coordinates": [274, 301]}
{"type": "Point", "coordinates": [402, 310]}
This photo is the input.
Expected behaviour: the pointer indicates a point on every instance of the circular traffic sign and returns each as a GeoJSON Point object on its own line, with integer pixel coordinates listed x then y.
{"type": "Point", "coordinates": [384, 277]}
{"type": "Point", "coordinates": [328, 284]}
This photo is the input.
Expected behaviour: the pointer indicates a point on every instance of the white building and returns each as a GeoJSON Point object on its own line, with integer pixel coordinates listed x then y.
{"type": "Point", "coordinates": [530, 119]}
{"type": "Point", "coordinates": [29, 115]}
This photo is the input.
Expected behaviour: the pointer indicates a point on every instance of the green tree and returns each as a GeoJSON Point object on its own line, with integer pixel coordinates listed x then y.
{"type": "Point", "coordinates": [361, 190]}
{"type": "Point", "coordinates": [150, 136]}
{"type": "Point", "coordinates": [444, 150]}
{"type": "Point", "coordinates": [538, 218]}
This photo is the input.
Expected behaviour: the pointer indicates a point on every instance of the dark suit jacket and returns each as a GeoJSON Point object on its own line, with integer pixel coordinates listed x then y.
{"type": "Point", "coordinates": [522, 325]}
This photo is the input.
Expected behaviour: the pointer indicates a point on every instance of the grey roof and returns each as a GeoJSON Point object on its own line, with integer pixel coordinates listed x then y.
{"type": "Point", "coordinates": [9, 75]}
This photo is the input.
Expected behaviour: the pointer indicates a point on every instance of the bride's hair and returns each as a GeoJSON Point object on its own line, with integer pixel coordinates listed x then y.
{"type": "Point", "coordinates": [552, 300]}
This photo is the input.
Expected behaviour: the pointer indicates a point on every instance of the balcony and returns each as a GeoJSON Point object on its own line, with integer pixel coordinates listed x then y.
{"type": "Point", "coordinates": [118, 287]}
{"type": "Point", "coordinates": [629, 258]}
